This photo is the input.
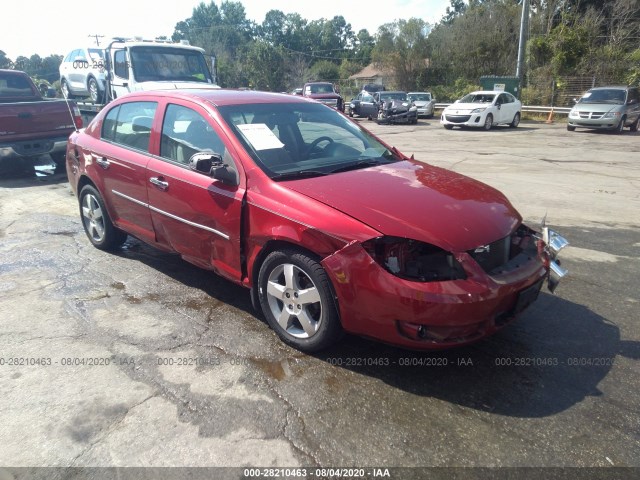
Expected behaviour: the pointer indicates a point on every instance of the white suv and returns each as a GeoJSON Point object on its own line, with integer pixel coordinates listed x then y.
{"type": "Point", "coordinates": [82, 74]}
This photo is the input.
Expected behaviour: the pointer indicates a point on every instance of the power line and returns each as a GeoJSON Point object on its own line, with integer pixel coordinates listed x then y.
{"type": "Point", "coordinates": [97, 37]}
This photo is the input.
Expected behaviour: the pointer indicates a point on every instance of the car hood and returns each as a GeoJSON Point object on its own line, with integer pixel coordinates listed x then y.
{"type": "Point", "coordinates": [419, 201]}
{"type": "Point", "coordinates": [168, 85]}
{"type": "Point", "coordinates": [467, 106]}
{"type": "Point", "coordinates": [596, 107]}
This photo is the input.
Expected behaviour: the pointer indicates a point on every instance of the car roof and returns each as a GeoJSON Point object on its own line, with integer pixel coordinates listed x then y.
{"type": "Point", "coordinates": [487, 92]}
{"type": "Point", "coordinates": [218, 97]}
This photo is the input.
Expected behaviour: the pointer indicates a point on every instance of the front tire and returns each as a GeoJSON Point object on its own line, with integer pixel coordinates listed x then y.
{"type": "Point", "coordinates": [448, 127]}
{"type": "Point", "coordinates": [634, 126]}
{"type": "Point", "coordinates": [296, 298]}
{"type": "Point", "coordinates": [571, 128]}
{"type": "Point", "coordinates": [96, 221]}
{"type": "Point", "coordinates": [66, 92]}
{"type": "Point", "coordinates": [488, 122]}
{"type": "Point", "coordinates": [620, 128]}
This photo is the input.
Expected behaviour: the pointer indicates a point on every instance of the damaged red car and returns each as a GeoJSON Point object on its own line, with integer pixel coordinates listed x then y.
{"type": "Point", "coordinates": [329, 228]}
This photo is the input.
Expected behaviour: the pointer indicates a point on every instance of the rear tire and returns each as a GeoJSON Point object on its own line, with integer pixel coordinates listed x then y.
{"type": "Point", "coordinates": [60, 159]}
{"type": "Point", "coordinates": [634, 126]}
{"type": "Point", "coordinates": [96, 221]}
{"type": "Point", "coordinates": [516, 121]}
{"type": "Point", "coordinates": [297, 300]}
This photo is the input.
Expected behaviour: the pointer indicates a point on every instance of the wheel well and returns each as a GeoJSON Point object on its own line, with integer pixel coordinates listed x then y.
{"type": "Point", "coordinates": [84, 180]}
{"type": "Point", "coordinates": [272, 246]}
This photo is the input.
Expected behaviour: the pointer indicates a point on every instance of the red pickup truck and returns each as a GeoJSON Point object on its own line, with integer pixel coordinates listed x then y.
{"type": "Point", "coordinates": [31, 125]}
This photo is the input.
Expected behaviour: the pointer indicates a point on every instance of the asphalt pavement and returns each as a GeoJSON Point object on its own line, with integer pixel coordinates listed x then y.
{"type": "Point", "coordinates": [139, 359]}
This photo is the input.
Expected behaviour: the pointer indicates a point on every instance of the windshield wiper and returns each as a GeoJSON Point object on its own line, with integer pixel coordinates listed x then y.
{"type": "Point", "coordinates": [300, 174]}
{"type": "Point", "coordinates": [357, 165]}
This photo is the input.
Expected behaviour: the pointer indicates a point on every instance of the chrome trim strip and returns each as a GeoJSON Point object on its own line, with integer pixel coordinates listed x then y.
{"type": "Point", "coordinates": [131, 199]}
{"type": "Point", "coordinates": [167, 214]}
{"type": "Point", "coordinates": [188, 222]}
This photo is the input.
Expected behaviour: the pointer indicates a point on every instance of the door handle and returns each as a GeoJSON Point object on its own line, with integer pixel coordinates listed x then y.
{"type": "Point", "coordinates": [103, 162]}
{"type": "Point", "coordinates": [158, 182]}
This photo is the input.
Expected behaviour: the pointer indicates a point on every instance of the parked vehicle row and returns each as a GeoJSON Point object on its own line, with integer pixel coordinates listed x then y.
{"type": "Point", "coordinates": [371, 105]}
{"type": "Point", "coordinates": [282, 195]}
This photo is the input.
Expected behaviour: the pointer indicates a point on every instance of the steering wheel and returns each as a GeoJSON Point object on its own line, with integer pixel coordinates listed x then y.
{"type": "Point", "coordinates": [316, 142]}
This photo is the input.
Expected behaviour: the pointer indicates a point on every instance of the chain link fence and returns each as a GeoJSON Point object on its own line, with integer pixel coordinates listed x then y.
{"type": "Point", "coordinates": [562, 91]}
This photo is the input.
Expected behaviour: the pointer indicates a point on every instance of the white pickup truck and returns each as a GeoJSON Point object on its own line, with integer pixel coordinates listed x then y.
{"type": "Point", "coordinates": [132, 65]}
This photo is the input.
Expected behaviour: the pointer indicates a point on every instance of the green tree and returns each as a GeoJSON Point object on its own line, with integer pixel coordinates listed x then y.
{"type": "Point", "coordinates": [266, 67]}
{"type": "Point", "coordinates": [402, 48]}
{"type": "Point", "coordinates": [325, 70]}
{"type": "Point", "coordinates": [5, 62]}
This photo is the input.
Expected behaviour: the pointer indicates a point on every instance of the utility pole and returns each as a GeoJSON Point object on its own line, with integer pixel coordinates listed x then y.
{"type": "Point", "coordinates": [524, 21]}
{"type": "Point", "coordinates": [97, 37]}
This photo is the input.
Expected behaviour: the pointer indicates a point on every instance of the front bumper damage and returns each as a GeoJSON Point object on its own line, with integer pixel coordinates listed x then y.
{"type": "Point", "coordinates": [433, 315]}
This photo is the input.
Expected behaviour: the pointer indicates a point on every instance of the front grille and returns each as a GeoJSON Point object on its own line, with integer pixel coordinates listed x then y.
{"type": "Point", "coordinates": [508, 253]}
{"type": "Point", "coordinates": [457, 118]}
{"type": "Point", "coordinates": [592, 115]}
{"type": "Point", "coordinates": [494, 255]}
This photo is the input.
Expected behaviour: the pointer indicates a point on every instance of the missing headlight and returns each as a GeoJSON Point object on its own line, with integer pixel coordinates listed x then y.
{"type": "Point", "coordinates": [414, 260]}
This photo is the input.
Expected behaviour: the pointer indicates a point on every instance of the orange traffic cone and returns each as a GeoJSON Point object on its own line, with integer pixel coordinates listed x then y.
{"type": "Point", "coordinates": [550, 117]}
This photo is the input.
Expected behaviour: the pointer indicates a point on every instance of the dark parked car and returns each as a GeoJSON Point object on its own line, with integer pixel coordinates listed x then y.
{"type": "Point", "coordinates": [368, 105]}
{"type": "Point", "coordinates": [363, 98]}
{"type": "Point", "coordinates": [282, 195]}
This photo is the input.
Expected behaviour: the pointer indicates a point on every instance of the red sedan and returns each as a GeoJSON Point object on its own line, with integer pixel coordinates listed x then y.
{"type": "Point", "coordinates": [331, 229]}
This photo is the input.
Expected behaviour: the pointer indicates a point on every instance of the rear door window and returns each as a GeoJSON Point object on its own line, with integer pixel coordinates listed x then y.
{"type": "Point", "coordinates": [129, 124]}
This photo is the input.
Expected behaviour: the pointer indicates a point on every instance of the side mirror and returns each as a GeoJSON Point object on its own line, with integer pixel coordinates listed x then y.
{"type": "Point", "coordinates": [204, 162]}
{"type": "Point", "coordinates": [211, 164]}
{"type": "Point", "coordinates": [226, 174]}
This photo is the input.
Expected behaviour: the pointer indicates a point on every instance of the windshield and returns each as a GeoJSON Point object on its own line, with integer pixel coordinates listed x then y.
{"type": "Point", "coordinates": [420, 97]}
{"type": "Point", "coordinates": [293, 140]}
{"type": "Point", "coordinates": [478, 98]}
{"type": "Point", "coordinates": [169, 64]}
{"type": "Point", "coordinates": [610, 95]}
{"type": "Point", "coordinates": [392, 96]}
{"type": "Point", "coordinates": [319, 88]}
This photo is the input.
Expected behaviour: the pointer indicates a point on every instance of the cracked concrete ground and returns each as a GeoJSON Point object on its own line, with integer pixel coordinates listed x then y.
{"type": "Point", "coordinates": [140, 359]}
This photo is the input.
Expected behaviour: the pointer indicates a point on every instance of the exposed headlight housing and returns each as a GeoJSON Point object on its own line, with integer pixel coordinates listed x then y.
{"type": "Point", "coordinates": [414, 260]}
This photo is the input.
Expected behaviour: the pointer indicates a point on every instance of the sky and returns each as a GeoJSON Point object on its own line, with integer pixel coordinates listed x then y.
{"type": "Point", "coordinates": [45, 27]}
